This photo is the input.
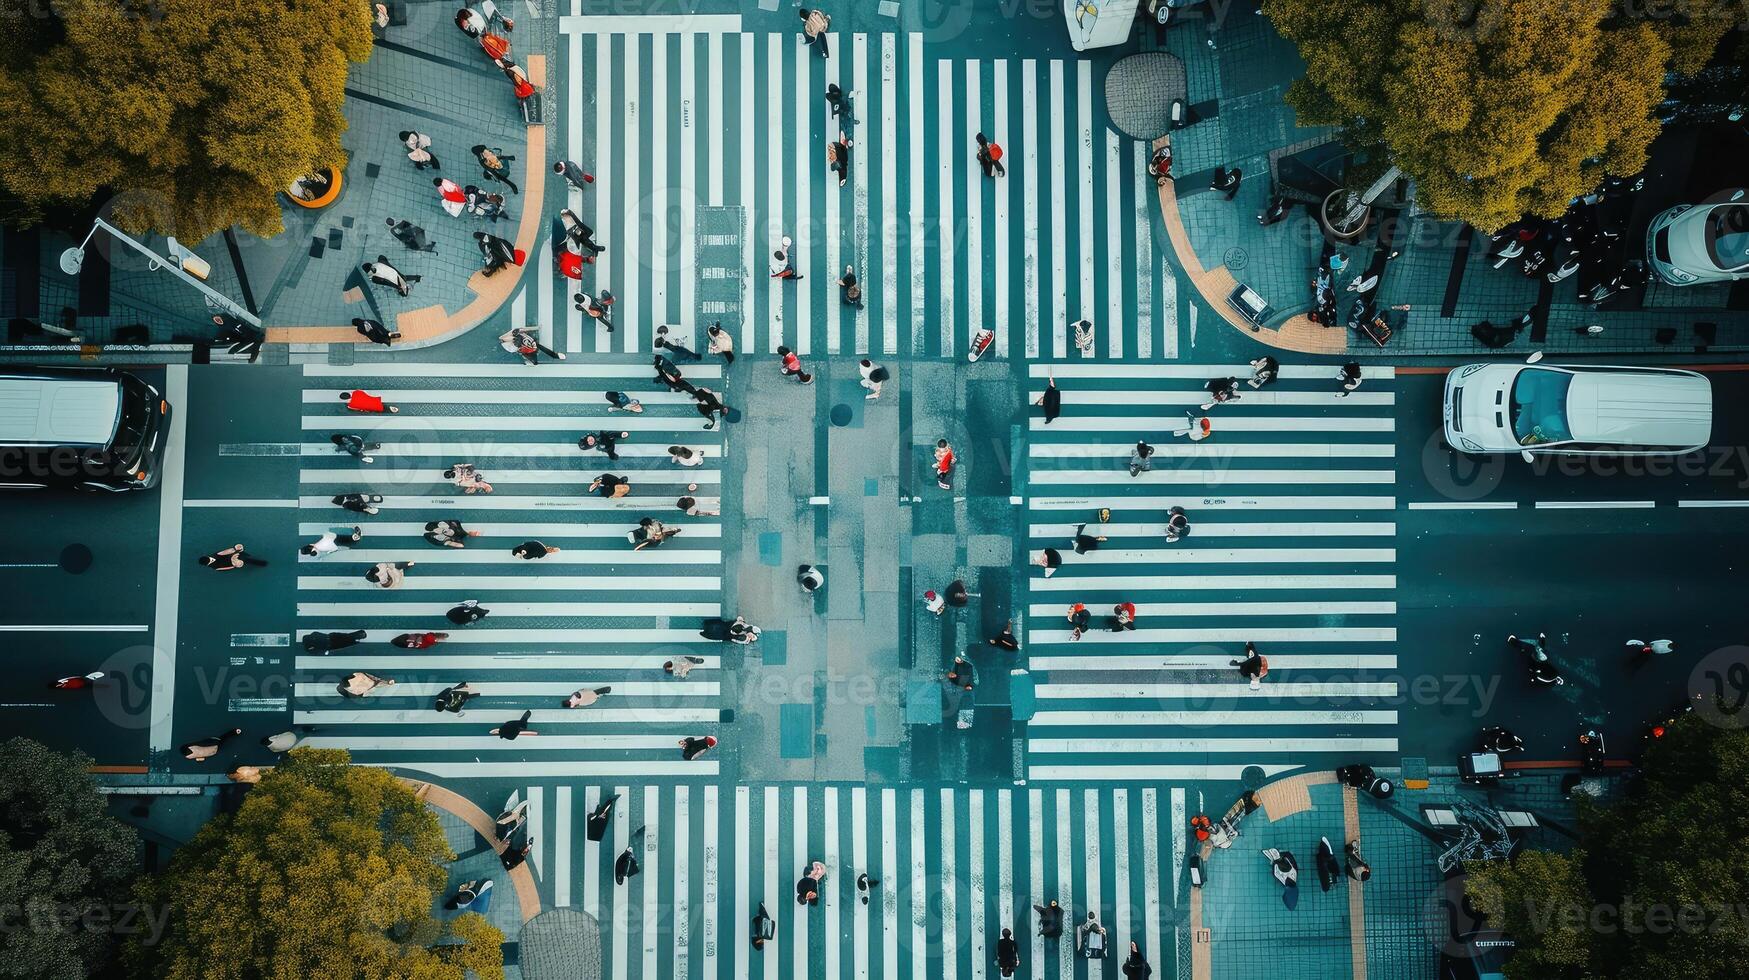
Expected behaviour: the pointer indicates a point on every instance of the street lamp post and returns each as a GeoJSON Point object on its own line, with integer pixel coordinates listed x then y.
{"type": "Point", "coordinates": [73, 260]}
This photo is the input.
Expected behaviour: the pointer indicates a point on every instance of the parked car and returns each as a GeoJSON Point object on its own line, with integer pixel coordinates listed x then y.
{"type": "Point", "coordinates": [1698, 243]}
{"type": "Point", "coordinates": [1536, 409]}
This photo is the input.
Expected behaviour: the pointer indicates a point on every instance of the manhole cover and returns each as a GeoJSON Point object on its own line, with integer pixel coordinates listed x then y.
{"type": "Point", "coordinates": [1252, 777]}
{"type": "Point", "coordinates": [840, 415]}
{"type": "Point", "coordinates": [75, 559]}
{"type": "Point", "coordinates": [1236, 258]}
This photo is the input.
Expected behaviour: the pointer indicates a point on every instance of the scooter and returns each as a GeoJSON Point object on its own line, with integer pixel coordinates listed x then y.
{"type": "Point", "coordinates": [981, 342]}
{"type": "Point", "coordinates": [1591, 750]}
{"type": "Point", "coordinates": [1542, 669]}
{"type": "Point", "coordinates": [1499, 740]}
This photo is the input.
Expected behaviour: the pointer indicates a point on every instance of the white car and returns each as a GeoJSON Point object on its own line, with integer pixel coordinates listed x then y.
{"type": "Point", "coordinates": [1533, 409]}
{"type": "Point", "coordinates": [1691, 244]}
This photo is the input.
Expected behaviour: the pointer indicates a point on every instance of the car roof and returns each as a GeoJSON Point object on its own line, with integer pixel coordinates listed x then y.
{"type": "Point", "coordinates": [1640, 408]}
{"type": "Point", "coordinates": [58, 411]}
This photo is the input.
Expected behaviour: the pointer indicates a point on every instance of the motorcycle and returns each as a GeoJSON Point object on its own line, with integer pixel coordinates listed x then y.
{"type": "Point", "coordinates": [981, 342]}
{"type": "Point", "coordinates": [1542, 669]}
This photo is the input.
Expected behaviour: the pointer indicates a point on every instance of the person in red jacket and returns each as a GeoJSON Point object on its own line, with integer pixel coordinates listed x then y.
{"type": "Point", "coordinates": [418, 641]}
{"type": "Point", "coordinates": [364, 401]}
{"type": "Point", "coordinates": [1123, 617]}
{"type": "Point", "coordinates": [943, 464]}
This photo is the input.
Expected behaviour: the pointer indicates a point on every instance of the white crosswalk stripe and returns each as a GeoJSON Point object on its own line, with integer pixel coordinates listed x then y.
{"type": "Point", "coordinates": [950, 869]}
{"type": "Point", "coordinates": [619, 613]}
{"type": "Point", "coordinates": [1080, 203]}
{"type": "Point", "coordinates": [1308, 578]}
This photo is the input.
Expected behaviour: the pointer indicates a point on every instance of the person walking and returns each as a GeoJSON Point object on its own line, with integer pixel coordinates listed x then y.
{"type": "Point", "coordinates": [838, 157]}
{"type": "Point", "coordinates": [1349, 376]}
{"type": "Point", "coordinates": [709, 406]}
{"type": "Point", "coordinates": [694, 746]}
{"type": "Point", "coordinates": [1254, 667]}
{"type": "Point", "coordinates": [685, 456]}
{"type": "Point", "coordinates": [719, 342]}
{"type": "Point", "coordinates": [450, 196]}
{"type": "Point", "coordinates": [865, 885]}
{"type": "Point", "coordinates": [579, 235]}
{"type": "Point", "coordinates": [515, 728]}
{"type": "Point", "coordinates": [1090, 938]}
{"type": "Point", "coordinates": [358, 503]}
{"type": "Point", "coordinates": [650, 533]}
{"type": "Point", "coordinates": [791, 366]}
{"type": "Point", "coordinates": [814, 27]}
{"type": "Point", "coordinates": [764, 928]}
{"type": "Point", "coordinates": [467, 478]}
{"type": "Point", "coordinates": [1264, 371]}
{"type": "Point", "coordinates": [527, 343]}
{"type": "Point", "coordinates": [410, 235]}
{"type": "Point", "coordinates": [1083, 330]}
{"type": "Point", "coordinates": [324, 642]}
{"type": "Point", "coordinates": [454, 698]}
{"type": "Point", "coordinates": [811, 579]}
{"type": "Point", "coordinates": [1141, 459]}
{"type": "Point", "coordinates": [990, 156]}
{"type": "Point", "coordinates": [1079, 617]}
{"type": "Point", "coordinates": [1123, 617]}
{"type": "Point", "coordinates": [202, 749]}
{"type": "Point", "coordinates": [943, 464]}
{"type": "Point", "coordinates": [467, 613]}
{"type": "Point", "coordinates": [1007, 953]}
{"type": "Point", "coordinates": [1226, 181]}
{"type": "Point", "coordinates": [839, 100]}
{"type": "Point", "coordinates": [1356, 866]}
{"type": "Point", "coordinates": [619, 401]}
{"type": "Point", "coordinates": [962, 674]}
{"type": "Point", "coordinates": [603, 442]}
{"type": "Point", "coordinates": [1160, 165]}
{"type": "Point", "coordinates": [1135, 966]}
{"type": "Point", "coordinates": [483, 205]}
{"type": "Point", "coordinates": [1195, 429]}
{"type": "Point", "coordinates": [448, 533]}
{"type": "Point", "coordinates": [1221, 390]}
{"type": "Point", "coordinates": [681, 351]}
{"type": "Point", "coordinates": [495, 164]}
{"type": "Point", "coordinates": [238, 337]}
{"type": "Point", "coordinates": [281, 742]}
{"type": "Point", "coordinates": [1084, 542]}
{"type": "Point", "coordinates": [680, 666]}
{"type": "Point", "coordinates": [418, 641]}
{"type": "Point", "coordinates": [808, 886]}
{"type": "Point", "coordinates": [783, 265]}
{"type": "Point", "coordinates": [849, 289]}
{"type": "Point", "coordinates": [532, 550]}
{"type": "Point", "coordinates": [595, 825]}
{"type": "Point", "coordinates": [1052, 400]}
{"type": "Point", "coordinates": [1177, 525]}
{"type": "Point", "coordinates": [586, 697]}
{"type": "Point", "coordinates": [699, 506]}
{"type": "Point", "coordinates": [331, 543]}
{"type": "Point", "coordinates": [1005, 639]}
{"type": "Point", "coordinates": [374, 331]}
{"type": "Point", "coordinates": [1050, 919]}
{"type": "Point", "coordinates": [359, 400]}
{"type": "Point", "coordinates": [496, 252]}
{"type": "Point", "coordinates": [388, 574]}
{"type": "Point", "coordinates": [874, 377]}
{"type": "Point", "coordinates": [354, 445]}
{"type": "Point", "coordinates": [574, 175]}
{"type": "Point", "coordinates": [231, 558]}
{"type": "Point", "coordinates": [609, 486]}
{"type": "Point", "coordinates": [383, 273]}
{"type": "Point", "coordinates": [626, 865]}
{"type": "Point", "coordinates": [358, 683]}
{"type": "Point", "coordinates": [593, 307]}
{"type": "Point", "coordinates": [419, 150]}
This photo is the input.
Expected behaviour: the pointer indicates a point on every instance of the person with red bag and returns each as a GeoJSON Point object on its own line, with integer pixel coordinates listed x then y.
{"type": "Point", "coordinates": [943, 464]}
{"type": "Point", "coordinates": [364, 401]}
{"type": "Point", "coordinates": [990, 156]}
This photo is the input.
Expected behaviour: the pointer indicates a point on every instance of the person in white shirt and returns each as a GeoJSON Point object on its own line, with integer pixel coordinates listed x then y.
{"type": "Point", "coordinates": [933, 602]}
{"type": "Point", "coordinates": [683, 456]}
{"type": "Point", "coordinates": [331, 542]}
{"type": "Point", "coordinates": [873, 377]}
{"type": "Point", "coordinates": [700, 506]}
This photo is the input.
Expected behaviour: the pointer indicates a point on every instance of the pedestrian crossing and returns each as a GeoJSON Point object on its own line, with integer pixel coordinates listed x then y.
{"type": "Point", "coordinates": [593, 614]}
{"type": "Point", "coordinates": [952, 866]}
{"type": "Point", "coordinates": [709, 145]}
{"type": "Point", "coordinates": [1292, 547]}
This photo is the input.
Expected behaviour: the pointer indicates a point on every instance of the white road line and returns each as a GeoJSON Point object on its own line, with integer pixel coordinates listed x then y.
{"type": "Point", "coordinates": [566, 451]}
{"type": "Point", "coordinates": [859, 862]}
{"type": "Point", "coordinates": [975, 878]}
{"type": "Point", "coordinates": [1170, 425]}
{"type": "Point", "coordinates": [743, 878]}
{"type": "Point", "coordinates": [1131, 504]}
{"type": "Point", "coordinates": [649, 24]}
{"type": "Point", "coordinates": [1005, 862]}
{"type": "Point", "coordinates": [1220, 690]}
{"type": "Point", "coordinates": [1195, 399]}
{"type": "Point", "coordinates": [576, 99]}
{"type": "Point", "coordinates": [630, 280]}
{"type": "Point", "coordinates": [1143, 663]}
{"type": "Point", "coordinates": [1000, 229]}
{"type": "Point", "coordinates": [619, 895]}
{"type": "Point", "coordinates": [1065, 893]}
{"type": "Point", "coordinates": [453, 397]}
{"type": "Point", "coordinates": [1119, 532]}
{"type": "Point", "coordinates": [653, 871]}
{"type": "Point", "coordinates": [591, 857]}
{"type": "Point", "coordinates": [719, 81]}
{"type": "Point", "coordinates": [1178, 818]}
{"type": "Point", "coordinates": [240, 504]}
{"type": "Point", "coordinates": [689, 195]}
{"type": "Point", "coordinates": [1103, 719]}
{"type": "Point", "coordinates": [1152, 913]}
{"type": "Point", "coordinates": [712, 880]}
{"type": "Point", "coordinates": [498, 768]}
{"type": "Point", "coordinates": [946, 225]}
{"type": "Point", "coordinates": [1145, 773]}
{"type": "Point", "coordinates": [661, 177]}
{"type": "Point", "coordinates": [1463, 505]}
{"type": "Point", "coordinates": [1197, 372]}
{"type": "Point", "coordinates": [774, 202]}
{"type": "Point", "coordinates": [537, 799]}
{"type": "Point", "coordinates": [567, 556]}
{"type": "Point", "coordinates": [504, 476]}
{"type": "Point", "coordinates": [75, 628]}
{"type": "Point", "coordinates": [1705, 503]}
{"type": "Point", "coordinates": [832, 321]}
{"type": "Point", "coordinates": [1036, 872]}
{"type": "Point", "coordinates": [171, 491]}
{"type": "Point", "coordinates": [1084, 181]}
{"type": "Point", "coordinates": [554, 716]}
{"type": "Point", "coordinates": [509, 609]}
{"type": "Point", "coordinates": [889, 874]}
{"type": "Point", "coordinates": [806, 93]}
{"type": "Point", "coordinates": [1595, 504]}
{"type": "Point", "coordinates": [512, 662]}
{"type": "Point", "coordinates": [519, 313]}
{"type": "Point", "coordinates": [751, 231]}
{"type": "Point", "coordinates": [916, 133]}
{"type": "Point", "coordinates": [1138, 746]}
{"type": "Point", "coordinates": [889, 196]}
{"type": "Point", "coordinates": [1145, 264]}
{"type": "Point", "coordinates": [770, 891]}
{"type": "Point", "coordinates": [1169, 307]}
{"type": "Point", "coordinates": [601, 215]}
{"type": "Point", "coordinates": [1190, 556]}
{"type": "Point", "coordinates": [861, 181]}
{"type": "Point", "coordinates": [1029, 283]}
{"type": "Point", "coordinates": [665, 693]}
{"type": "Point", "coordinates": [526, 423]}
{"type": "Point", "coordinates": [1316, 634]}
{"type": "Point", "coordinates": [1176, 450]}
{"type": "Point", "coordinates": [1225, 477]}
{"type": "Point", "coordinates": [800, 856]}
{"type": "Point", "coordinates": [949, 919]}
{"type": "Point", "coordinates": [1090, 828]}
{"type": "Point", "coordinates": [1113, 245]}
{"type": "Point", "coordinates": [680, 869]}
{"type": "Point", "coordinates": [1120, 856]}
{"type": "Point", "coordinates": [392, 529]}
{"type": "Point", "coordinates": [832, 909]}
{"type": "Point", "coordinates": [920, 915]}
{"type": "Point", "coordinates": [1060, 315]}
{"type": "Point", "coordinates": [546, 371]}
{"type": "Point", "coordinates": [974, 220]}
{"type": "Point", "coordinates": [1193, 610]}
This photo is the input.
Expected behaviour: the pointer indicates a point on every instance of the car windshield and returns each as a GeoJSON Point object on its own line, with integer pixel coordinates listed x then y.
{"type": "Point", "coordinates": [1727, 236]}
{"type": "Point", "coordinates": [136, 414]}
{"type": "Point", "coordinates": [1539, 406]}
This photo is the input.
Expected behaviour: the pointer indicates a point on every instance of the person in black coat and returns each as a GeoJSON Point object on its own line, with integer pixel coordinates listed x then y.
{"type": "Point", "coordinates": [596, 827]}
{"type": "Point", "coordinates": [1135, 966]}
{"type": "Point", "coordinates": [468, 613]}
{"type": "Point", "coordinates": [510, 730]}
{"type": "Point", "coordinates": [1050, 919]}
{"type": "Point", "coordinates": [1007, 953]}
{"type": "Point", "coordinates": [324, 642]}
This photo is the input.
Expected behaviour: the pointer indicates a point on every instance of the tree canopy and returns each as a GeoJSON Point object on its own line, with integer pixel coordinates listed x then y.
{"type": "Point", "coordinates": [193, 113]}
{"type": "Point", "coordinates": [1657, 889]}
{"type": "Point", "coordinates": [1497, 108]}
{"type": "Point", "coordinates": [326, 870]}
{"type": "Point", "coordinates": [65, 861]}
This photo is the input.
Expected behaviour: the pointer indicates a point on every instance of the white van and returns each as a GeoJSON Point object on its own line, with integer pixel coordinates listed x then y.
{"type": "Point", "coordinates": [78, 428]}
{"type": "Point", "coordinates": [1534, 409]}
{"type": "Point", "coordinates": [1101, 24]}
